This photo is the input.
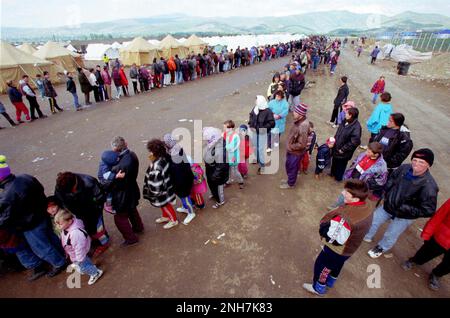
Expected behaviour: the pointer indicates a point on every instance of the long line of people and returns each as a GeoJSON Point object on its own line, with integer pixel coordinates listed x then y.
{"type": "Point", "coordinates": [402, 192]}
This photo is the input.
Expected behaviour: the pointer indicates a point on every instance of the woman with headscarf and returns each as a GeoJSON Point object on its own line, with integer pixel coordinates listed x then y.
{"type": "Point", "coordinates": [262, 121]}
{"type": "Point", "coordinates": [217, 168]}
{"type": "Point", "coordinates": [181, 175]}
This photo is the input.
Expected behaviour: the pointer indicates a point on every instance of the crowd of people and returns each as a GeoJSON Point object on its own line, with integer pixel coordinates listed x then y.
{"type": "Point", "coordinates": [402, 191]}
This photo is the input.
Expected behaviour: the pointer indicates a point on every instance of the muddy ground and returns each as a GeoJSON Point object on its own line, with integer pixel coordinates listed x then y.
{"type": "Point", "coordinates": [271, 235]}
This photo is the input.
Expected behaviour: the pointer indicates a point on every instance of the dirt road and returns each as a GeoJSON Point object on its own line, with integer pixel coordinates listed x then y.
{"type": "Point", "coordinates": [271, 235]}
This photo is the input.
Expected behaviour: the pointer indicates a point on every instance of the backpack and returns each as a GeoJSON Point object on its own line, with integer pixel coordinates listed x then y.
{"type": "Point", "coordinates": [336, 231]}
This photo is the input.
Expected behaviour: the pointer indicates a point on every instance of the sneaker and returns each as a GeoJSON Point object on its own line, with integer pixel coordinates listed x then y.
{"type": "Point", "coordinates": [182, 210]}
{"type": "Point", "coordinates": [286, 186]}
{"type": "Point", "coordinates": [367, 240]}
{"type": "Point", "coordinates": [218, 205]}
{"type": "Point", "coordinates": [335, 126]}
{"type": "Point", "coordinates": [363, 147]}
{"type": "Point", "coordinates": [211, 197]}
{"type": "Point", "coordinates": [241, 186]}
{"type": "Point", "coordinates": [376, 252]}
{"type": "Point", "coordinates": [170, 225]}
{"type": "Point", "coordinates": [261, 171]}
{"type": "Point", "coordinates": [95, 277]}
{"type": "Point", "coordinates": [433, 282]}
{"type": "Point", "coordinates": [189, 218]}
{"type": "Point", "coordinates": [37, 273]}
{"type": "Point", "coordinates": [162, 220]}
{"type": "Point", "coordinates": [408, 265]}
{"type": "Point", "coordinates": [269, 150]}
{"type": "Point", "coordinates": [310, 288]}
{"type": "Point", "coordinates": [276, 144]}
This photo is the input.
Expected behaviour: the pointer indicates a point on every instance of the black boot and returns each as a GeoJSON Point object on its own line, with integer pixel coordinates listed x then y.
{"type": "Point", "coordinates": [37, 273]}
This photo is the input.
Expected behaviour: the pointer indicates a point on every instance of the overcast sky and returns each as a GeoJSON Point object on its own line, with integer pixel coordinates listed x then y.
{"type": "Point", "coordinates": [50, 13]}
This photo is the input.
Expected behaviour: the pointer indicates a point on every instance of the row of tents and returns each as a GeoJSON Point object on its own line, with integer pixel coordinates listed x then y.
{"type": "Point", "coordinates": [141, 52]}
{"type": "Point", "coordinates": [26, 60]}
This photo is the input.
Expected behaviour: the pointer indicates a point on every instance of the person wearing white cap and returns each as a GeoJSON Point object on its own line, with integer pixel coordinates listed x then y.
{"type": "Point", "coordinates": [262, 121]}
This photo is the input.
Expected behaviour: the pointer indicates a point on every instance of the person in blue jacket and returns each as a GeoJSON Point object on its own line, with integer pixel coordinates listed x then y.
{"type": "Point", "coordinates": [280, 108]}
{"type": "Point", "coordinates": [380, 115]}
{"type": "Point", "coordinates": [324, 154]}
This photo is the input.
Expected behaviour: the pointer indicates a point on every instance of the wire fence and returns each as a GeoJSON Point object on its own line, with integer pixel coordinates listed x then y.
{"type": "Point", "coordinates": [424, 41]}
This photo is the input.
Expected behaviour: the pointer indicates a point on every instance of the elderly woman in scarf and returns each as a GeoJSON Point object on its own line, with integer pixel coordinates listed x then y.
{"type": "Point", "coordinates": [217, 168]}
{"type": "Point", "coordinates": [261, 121]}
{"type": "Point", "coordinates": [181, 175]}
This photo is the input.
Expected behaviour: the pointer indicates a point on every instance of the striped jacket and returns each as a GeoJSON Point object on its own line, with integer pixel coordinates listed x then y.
{"type": "Point", "coordinates": [158, 187]}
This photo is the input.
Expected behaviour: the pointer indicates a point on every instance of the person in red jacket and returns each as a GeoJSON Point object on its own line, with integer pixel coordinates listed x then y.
{"type": "Point", "coordinates": [124, 81]}
{"type": "Point", "coordinates": [377, 89]}
{"type": "Point", "coordinates": [437, 242]}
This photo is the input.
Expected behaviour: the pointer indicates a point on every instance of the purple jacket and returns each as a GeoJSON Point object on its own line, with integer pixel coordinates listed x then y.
{"type": "Point", "coordinates": [75, 241]}
{"type": "Point", "coordinates": [375, 176]}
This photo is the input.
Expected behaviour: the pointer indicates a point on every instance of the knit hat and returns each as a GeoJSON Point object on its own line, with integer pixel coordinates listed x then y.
{"type": "Point", "coordinates": [424, 154]}
{"type": "Point", "coordinates": [301, 109]}
{"type": "Point", "coordinates": [331, 140]}
{"type": "Point", "coordinates": [243, 127]}
{"type": "Point", "coordinates": [5, 171]}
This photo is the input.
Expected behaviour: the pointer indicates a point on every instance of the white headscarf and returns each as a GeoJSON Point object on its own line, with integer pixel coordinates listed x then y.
{"type": "Point", "coordinates": [211, 135]}
{"type": "Point", "coordinates": [261, 104]}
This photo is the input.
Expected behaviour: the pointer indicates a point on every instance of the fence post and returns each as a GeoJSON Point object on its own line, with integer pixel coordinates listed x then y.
{"type": "Point", "coordinates": [434, 45]}
{"type": "Point", "coordinates": [423, 42]}
{"type": "Point", "coordinates": [442, 44]}
{"type": "Point", "coordinates": [428, 44]}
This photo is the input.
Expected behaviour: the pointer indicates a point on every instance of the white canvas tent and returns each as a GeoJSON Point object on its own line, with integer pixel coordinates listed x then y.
{"type": "Point", "coordinates": [95, 52]}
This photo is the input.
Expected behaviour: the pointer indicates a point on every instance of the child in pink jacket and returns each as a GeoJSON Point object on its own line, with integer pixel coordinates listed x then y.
{"type": "Point", "coordinates": [76, 242]}
{"type": "Point", "coordinates": [199, 187]}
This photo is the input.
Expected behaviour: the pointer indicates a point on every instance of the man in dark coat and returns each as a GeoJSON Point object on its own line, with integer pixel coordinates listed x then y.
{"type": "Point", "coordinates": [50, 93]}
{"type": "Point", "coordinates": [83, 196]}
{"type": "Point", "coordinates": [23, 209]}
{"type": "Point", "coordinates": [85, 85]}
{"type": "Point", "coordinates": [410, 193]}
{"type": "Point", "coordinates": [348, 138]}
{"type": "Point", "coordinates": [340, 99]}
{"type": "Point", "coordinates": [126, 193]}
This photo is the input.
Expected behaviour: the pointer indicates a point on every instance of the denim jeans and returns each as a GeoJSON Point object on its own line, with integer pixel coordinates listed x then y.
{"type": "Point", "coordinates": [394, 230]}
{"type": "Point", "coordinates": [76, 104]}
{"type": "Point", "coordinates": [333, 68]}
{"type": "Point", "coordinates": [179, 76]}
{"type": "Point", "coordinates": [374, 99]}
{"type": "Point", "coordinates": [259, 141]}
{"type": "Point", "coordinates": [87, 267]}
{"type": "Point", "coordinates": [43, 244]}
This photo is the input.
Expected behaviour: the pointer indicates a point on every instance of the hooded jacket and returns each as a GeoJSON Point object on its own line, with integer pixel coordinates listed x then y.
{"type": "Point", "coordinates": [217, 168]}
{"type": "Point", "coordinates": [379, 117]}
{"type": "Point", "coordinates": [75, 241]}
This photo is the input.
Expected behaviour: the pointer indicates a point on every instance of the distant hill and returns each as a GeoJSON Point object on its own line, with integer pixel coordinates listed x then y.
{"type": "Point", "coordinates": [330, 22]}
